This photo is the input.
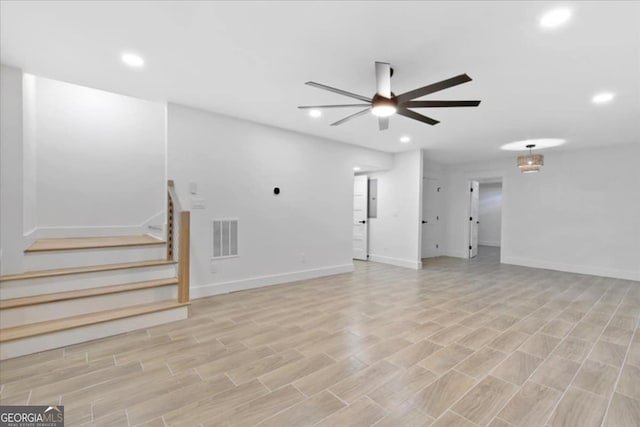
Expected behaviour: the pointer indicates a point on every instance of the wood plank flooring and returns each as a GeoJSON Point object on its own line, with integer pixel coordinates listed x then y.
{"type": "Point", "coordinates": [460, 343]}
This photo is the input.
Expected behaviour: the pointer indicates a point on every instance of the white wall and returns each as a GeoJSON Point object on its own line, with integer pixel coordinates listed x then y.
{"type": "Point", "coordinates": [11, 242]}
{"type": "Point", "coordinates": [306, 231]}
{"type": "Point", "coordinates": [489, 213]}
{"type": "Point", "coordinates": [30, 154]}
{"type": "Point", "coordinates": [99, 159]}
{"type": "Point", "coordinates": [579, 213]}
{"type": "Point", "coordinates": [395, 235]}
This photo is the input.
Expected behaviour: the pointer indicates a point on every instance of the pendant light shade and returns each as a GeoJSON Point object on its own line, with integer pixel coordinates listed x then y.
{"type": "Point", "coordinates": [530, 163]}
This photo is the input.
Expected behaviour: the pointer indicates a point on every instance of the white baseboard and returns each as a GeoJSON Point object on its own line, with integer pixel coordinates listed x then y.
{"type": "Point", "coordinates": [572, 268]}
{"type": "Point", "coordinates": [415, 265]}
{"type": "Point", "coordinates": [261, 281]}
{"type": "Point", "coordinates": [494, 243]}
{"type": "Point", "coordinates": [433, 254]}
{"type": "Point", "coordinates": [455, 254]}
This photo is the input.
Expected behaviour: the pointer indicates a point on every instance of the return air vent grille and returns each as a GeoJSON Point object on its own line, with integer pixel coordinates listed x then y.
{"type": "Point", "coordinates": [224, 238]}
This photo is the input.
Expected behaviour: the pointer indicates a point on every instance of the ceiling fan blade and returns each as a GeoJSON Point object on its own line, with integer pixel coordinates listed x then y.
{"type": "Point", "coordinates": [353, 116]}
{"type": "Point", "coordinates": [434, 87]}
{"type": "Point", "coordinates": [419, 117]}
{"type": "Point", "coordinates": [333, 106]}
{"type": "Point", "coordinates": [339, 91]}
{"type": "Point", "coordinates": [435, 104]}
{"type": "Point", "coordinates": [383, 79]}
{"type": "Point", "coordinates": [383, 123]}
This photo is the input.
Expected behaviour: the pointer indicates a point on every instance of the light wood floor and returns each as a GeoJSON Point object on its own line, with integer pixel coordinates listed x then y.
{"type": "Point", "coordinates": [460, 343]}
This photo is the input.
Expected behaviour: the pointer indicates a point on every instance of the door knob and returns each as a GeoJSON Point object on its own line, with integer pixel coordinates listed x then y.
{"type": "Point", "coordinates": [362, 222]}
{"type": "Point", "coordinates": [424, 222]}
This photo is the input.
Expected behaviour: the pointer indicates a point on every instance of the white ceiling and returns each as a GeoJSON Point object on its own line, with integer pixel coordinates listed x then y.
{"type": "Point", "coordinates": [251, 59]}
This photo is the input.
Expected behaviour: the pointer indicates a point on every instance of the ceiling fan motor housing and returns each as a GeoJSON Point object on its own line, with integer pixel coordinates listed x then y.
{"type": "Point", "coordinates": [382, 106]}
{"type": "Point", "coordinates": [379, 101]}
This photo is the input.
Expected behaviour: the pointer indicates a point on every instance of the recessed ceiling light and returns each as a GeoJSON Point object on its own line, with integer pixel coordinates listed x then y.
{"type": "Point", "coordinates": [315, 113]}
{"type": "Point", "coordinates": [538, 143]}
{"type": "Point", "coordinates": [356, 168]}
{"type": "Point", "coordinates": [555, 18]}
{"type": "Point", "coordinates": [132, 60]}
{"type": "Point", "coordinates": [405, 139]}
{"type": "Point", "coordinates": [602, 98]}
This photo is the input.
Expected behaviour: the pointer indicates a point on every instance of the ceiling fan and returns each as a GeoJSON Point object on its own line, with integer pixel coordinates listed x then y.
{"type": "Point", "coordinates": [385, 103]}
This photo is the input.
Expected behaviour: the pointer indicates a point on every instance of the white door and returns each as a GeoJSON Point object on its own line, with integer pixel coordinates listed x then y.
{"type": "Point", "coordinates": [360, 230]}
{"type": "Point", "coordinates": [474, 189]}
{"type": "Point", "coordinates": [430, 218]}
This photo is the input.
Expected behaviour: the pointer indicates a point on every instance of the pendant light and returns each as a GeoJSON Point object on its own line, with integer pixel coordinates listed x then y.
{"type": "Point", "coordinates": [530, 163]}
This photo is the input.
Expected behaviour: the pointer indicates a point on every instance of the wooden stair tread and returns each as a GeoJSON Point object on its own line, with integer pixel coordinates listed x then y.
{"type": "Point", "coordinates": [45, 245]}
{"type": "Point", "coordinates": [88, 269]}
{"type": "Point", "coordinates": [40, 328]}
{"type": "Point", "coordinates": [84, 293]}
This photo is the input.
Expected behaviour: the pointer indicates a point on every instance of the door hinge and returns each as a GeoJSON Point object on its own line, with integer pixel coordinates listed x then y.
{"type": "Point", "coordinates": [436, 246]}
{"type": "Point", "coordinates": [471, 189]}
{"type": "Point", "coordinates": [470, 218]}
{"type": "Point", "coordinates": [470, 247]}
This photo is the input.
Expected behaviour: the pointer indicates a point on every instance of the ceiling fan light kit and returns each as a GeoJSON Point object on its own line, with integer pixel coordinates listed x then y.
{"type": "Point", "coordinates": [383, 107]}
{"type": "Point", "coordinates": [385, 103]}
{"type": "Point", "coordinates": [530, 163]}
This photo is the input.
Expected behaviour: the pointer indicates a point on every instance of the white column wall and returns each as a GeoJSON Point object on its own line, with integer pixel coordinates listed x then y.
{"type": "Point", "coordinates": [11, 174]}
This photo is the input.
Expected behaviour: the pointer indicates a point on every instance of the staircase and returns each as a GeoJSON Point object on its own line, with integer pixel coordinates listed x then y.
{"type": "Point", "coordinates": [81, 289]}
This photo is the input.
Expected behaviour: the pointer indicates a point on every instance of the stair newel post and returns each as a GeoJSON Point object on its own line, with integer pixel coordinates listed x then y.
{"type": "Point", "coordinates": [170, 222]}
{"type": "Point", "coordinates": [183, 262]}
{"type": "Point", "coordinates": [178, 240]}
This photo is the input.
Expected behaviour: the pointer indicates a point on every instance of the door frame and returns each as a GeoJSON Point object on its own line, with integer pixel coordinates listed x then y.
{"type": "Point", "coordinates": [473, 220]}
{"type": "Point", "coordinates": [484, 178]}
{"type": "Point", "coordinates": [366, 224]}
{"type": "Point", "coordinates": [422, 216]}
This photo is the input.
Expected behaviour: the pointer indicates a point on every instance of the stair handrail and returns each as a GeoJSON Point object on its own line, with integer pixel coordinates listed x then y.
{"type": "Point", "coordinates": [179, 232]}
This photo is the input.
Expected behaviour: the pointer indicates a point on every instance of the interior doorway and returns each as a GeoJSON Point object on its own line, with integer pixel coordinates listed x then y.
{"type": "Point", "coordinates": [431, 217]}
{"type": "Point", "coordinates": [474, 221]}
{"type": "Point", "coordinates": [360, 213]}
{"type": "Point", "coordinates": [485, 217]}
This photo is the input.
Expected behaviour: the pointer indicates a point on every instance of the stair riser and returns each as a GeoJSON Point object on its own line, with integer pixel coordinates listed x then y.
{"type": "Point", "coordinates": [80, 258]}
{"type": "Point", "coordinates": [55, 310]}
{"type": "Point", "coordinates": [53, 340]}
{"type": "Point", "coordinates": [72, 282]}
